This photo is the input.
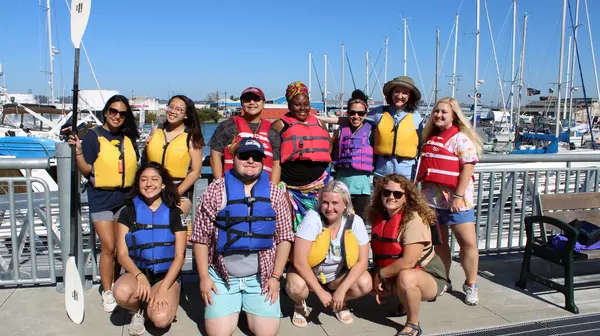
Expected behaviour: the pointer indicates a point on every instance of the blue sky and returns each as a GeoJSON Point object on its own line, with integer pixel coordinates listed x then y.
{"type": "Point", "coordinates": [154, 47]}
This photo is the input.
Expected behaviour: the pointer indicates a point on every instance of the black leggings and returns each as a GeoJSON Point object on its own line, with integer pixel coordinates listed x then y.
{"type": "Point", "coordinates": [360, 203]}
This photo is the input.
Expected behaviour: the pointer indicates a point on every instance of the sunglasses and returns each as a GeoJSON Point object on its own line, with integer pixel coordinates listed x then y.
{"type": "Point", "coordinates": [113, 112]}
{"type": "Point", "coordinates": [360, 113]}
{"type": "Point", "coordinates": [397, 194]}
{"type": "Point", "coordinates": [256, 156]}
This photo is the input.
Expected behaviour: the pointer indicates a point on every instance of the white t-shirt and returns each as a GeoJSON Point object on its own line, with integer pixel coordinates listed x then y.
{"type": "Point", "coordinates": [312, 226]}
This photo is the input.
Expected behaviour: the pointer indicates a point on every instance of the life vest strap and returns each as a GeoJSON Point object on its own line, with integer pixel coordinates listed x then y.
{"type": "Point", "coordinates": [238, 234]}
{"type": "Point", "coordinates": [233, 220]}
{"type": "Point", "coordinates": [150, 245]}
{"type": "Point", "coordinates": [249, 200]}
{"type": "Point", "coordinates": [307, 150]}
{"type": "Point", "coordinates": [294, 138]}
{"type": "Point", "coordinates": [375, 236]}
{"type": "Point", "coordinates": [137, 226]}
{"type": "Point", "coordinates": [386, 256]}
{"type": "Point", "coordinates": [151, 261]}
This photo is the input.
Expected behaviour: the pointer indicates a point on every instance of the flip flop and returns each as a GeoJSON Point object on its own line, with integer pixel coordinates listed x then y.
{"type": "Point", "coordinates": [342, 316]}
{"type": "Point", "coordinates": [299, 319]}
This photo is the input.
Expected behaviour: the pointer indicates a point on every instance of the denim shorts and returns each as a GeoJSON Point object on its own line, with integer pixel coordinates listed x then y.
{"type": "Point", "coordinates": [446, 217]}
{"type": "Point", "coordinates": [242, 294]}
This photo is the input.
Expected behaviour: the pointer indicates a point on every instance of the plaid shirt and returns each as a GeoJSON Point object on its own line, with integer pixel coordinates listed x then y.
{"type": "Point", "coordinates": [205, 232]}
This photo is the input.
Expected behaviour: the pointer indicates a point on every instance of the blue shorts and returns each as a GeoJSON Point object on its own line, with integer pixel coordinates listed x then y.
{"type": "Point", "coordinates": [242, 294]}
{"type": "Point", "coordinates": [446, 217]}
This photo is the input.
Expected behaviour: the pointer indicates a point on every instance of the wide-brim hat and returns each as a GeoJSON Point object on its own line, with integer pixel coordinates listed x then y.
{"type": "Point", "coordinates": [402, 81]}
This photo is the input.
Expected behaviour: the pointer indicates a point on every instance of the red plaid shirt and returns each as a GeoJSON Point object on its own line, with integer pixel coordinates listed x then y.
{"type": "Point", "coordinates": [205, 232]}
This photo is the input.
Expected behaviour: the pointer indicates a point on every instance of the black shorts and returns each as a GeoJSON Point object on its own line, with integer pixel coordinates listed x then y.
{"type": "Point", "coordinates": [154, 278]}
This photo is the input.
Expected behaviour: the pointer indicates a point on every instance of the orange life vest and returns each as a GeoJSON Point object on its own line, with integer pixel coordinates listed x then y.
{"type": "Point", "coordinates": [244, 131]}
{"type": "Point", "coordinates": [304, 140]}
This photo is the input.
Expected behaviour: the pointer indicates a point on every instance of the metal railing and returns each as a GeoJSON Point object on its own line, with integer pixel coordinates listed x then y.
{"type": "Point", "coordinates": [27, 250]}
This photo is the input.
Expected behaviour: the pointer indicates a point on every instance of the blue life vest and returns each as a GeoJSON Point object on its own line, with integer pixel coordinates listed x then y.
{"type": "Point", "coordinates": [150, 240]}
{"type": "Point", "coordinates": [246, 223]}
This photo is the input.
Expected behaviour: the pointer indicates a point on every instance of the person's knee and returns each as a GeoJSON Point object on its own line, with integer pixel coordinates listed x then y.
{"type": "Point", "coordinates": [406, 279]}
{"type": "Point", "coordinates": [108, 249]}
{"type": "Point", "coordinates": [270, 328]}
{"type": "Point", "coordinates": [161, 320]}
{"type": "Point", "coordinates": [362, 286]}
{"type": "Point", "coordinates": [220, 326]}
{"type": "Point", "coordinates": [295, 286]}
{"type": "Point", "coordinates": [123, 293]}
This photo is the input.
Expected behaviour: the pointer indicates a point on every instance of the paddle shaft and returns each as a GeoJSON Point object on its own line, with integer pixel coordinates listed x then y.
{"type": "Point", "coordinates": [75, 202]}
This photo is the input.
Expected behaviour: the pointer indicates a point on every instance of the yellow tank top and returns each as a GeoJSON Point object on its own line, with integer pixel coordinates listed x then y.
{"type": "Point", "coordinates": [399, 140]}
{"type": "Point", "coordinates": [173, 155]}
{"type": "Point", "coordinates": [116, 164]}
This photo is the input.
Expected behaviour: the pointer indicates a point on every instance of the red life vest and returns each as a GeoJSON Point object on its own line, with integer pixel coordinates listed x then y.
{"type": "Point", "coordinates": [384, 242]}
{"type": "Point", "coordinates": [304, 140]}
{"type": "Point", "coordinates": [439, 165]}
{"type": "Point", "coordinates": [244, 131]}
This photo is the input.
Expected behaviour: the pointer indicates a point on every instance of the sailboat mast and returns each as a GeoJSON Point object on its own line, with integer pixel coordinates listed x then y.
{"type": "Point", "coordinates": [367, 63]}
{"type": "Point", "coordinates": [477, 23]}
{"type": "Point", "coordinates": [405, 44]}
{"type": "Point", "coordinates": [309, 75]}
{"type": "Point", "coordinates": [572, 80]}
{"type": "Point", "coordinates": [512, 63]}
{"type": "Point", "coordinates": [587, 14]}
{"type": "Point", "coordinates": [385, 65]}
{"type": "Point", "coordinates": [560, 67]}
{"type": "Point", "coordinates": [437, 64]}
{"type": "Point", "coordinates": [567, 89]}
{"type": "Point", "coordinates": [522, 66]}
{"type": "Point", "coordinates": [342, 94]}
{"type": "Point", "coordinates": [325, 89]}
{"type": "Point", "coordinates": [455, 56]}
{"type": "Point", "coordinates": [50, 51]}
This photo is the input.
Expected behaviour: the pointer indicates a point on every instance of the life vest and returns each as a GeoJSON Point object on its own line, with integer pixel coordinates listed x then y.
{"type": "Point", "coordinates": [349, 245]}
{"type": "Point", "coordinates": [244, 131]}
{"type": "Point", "coordinates": [384, 241]}
{"type": "Point", "coordinates": [354, 150]}
{"type": "Point", "coordinates": [439, 165]}
{"type": "Point", "coordinates": [115, 166]}
{"type": "Point", "coordinates": [400, 140]}
{"type": "Point", "coordinates": [246, 223]}
{"type": "Point", "coordinates": [150, 241]}
{"type": "Point", "coordinates": [304, 140]}
{"type": "Point", "coordinates": [174, 155]}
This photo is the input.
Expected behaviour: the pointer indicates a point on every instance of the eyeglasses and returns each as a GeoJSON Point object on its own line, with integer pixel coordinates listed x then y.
{"type": "Point", "coordinates": [360, 113]}
{"type": "Point", "coordinates": [176, 109]}
{"type": "Point", "coordinates": [113, 112]}
{"type": "Point", "coordinates": [256, 156]}
{"type": "Point", "coordinates": [397, 194]}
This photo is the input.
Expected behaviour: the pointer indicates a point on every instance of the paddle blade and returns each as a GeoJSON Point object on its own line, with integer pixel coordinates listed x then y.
{"type": "Point", "coordinates": [73, 292]}
{"type": "Point", "coordinates": [80, 13]}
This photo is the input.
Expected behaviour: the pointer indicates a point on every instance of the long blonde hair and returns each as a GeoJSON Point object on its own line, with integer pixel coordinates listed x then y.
{"type": "Point", "coordinates": [460, 121]}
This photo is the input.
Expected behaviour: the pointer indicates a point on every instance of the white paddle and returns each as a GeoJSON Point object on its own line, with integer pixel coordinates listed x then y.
{"type": "Point", "coordinates": [80, 13]}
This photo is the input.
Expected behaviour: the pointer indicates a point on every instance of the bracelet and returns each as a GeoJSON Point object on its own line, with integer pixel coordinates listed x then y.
{"type": "Point", "coordinates": [137, 275]}
{"type": "Point", "coordinates": [458, 196]}
{"type": "Point", "coordinates": [381, 278]}
{"type": "Point", "coordinates": [275, 276]}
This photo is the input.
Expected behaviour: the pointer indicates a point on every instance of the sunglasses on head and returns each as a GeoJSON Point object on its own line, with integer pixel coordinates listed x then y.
{"type": "Point", "coordinates": [256, 156]}
{"type": "Point", "coordinates": [114, 112]}
{"type": "Point", "coordinates": [397, 194]}
{"type": "Point", "coordinates": [360, 113]}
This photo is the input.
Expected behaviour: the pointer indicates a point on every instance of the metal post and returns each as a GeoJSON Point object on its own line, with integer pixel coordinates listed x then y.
{"type": "Point", "coordinates": [512, 65]}
{"type": "Point", "coordinates": [522, 66]}
{"type": "Point", "coordinates": [477, 23]}
{"type": "Point", "coordinates": [455, 57]}
{"type": "Point", "coordinates": [572, 79]}
{"type": "Point", "coordinates": [50, 51]}
{"type": "Point", "coordinates": [437, 64]}
{"type": "Point", "coordinates": [560, 67]}
{"type": "Point", "coordinates": [567, 89]}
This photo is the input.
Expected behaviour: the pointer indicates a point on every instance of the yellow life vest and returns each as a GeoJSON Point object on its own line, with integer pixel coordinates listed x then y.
{"type": "Point", "coordinates": [349, 244]}
{"type": "Point", "coordinates": [399, 140]}
{"type": "Point", "coordinates": [116, 164]}
{"type": "Point", "coordinates": [173, 155]}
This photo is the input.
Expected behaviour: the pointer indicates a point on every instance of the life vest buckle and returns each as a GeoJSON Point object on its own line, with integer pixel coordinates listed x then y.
{"type": "Point", "coordinates": [250, 200]}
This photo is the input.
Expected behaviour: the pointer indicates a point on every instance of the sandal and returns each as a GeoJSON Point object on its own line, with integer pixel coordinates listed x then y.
{"type": "Point", "coordinates": [343, 315]}
{"type": "Point", "coordinates": [413, 327]}
{"type": "Point", "coordinates": [300, 314]}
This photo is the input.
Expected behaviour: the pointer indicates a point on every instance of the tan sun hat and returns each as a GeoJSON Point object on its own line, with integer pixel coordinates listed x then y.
{"type": "Point", "coordinates": [402, 81]}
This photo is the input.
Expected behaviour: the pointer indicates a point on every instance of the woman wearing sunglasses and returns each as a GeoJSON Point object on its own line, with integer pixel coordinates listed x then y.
{"type": "Point", "coordinates": [397, 127]}
{"type": "Point", "coordinates": [108, 157]}
{"type": "Point", "coordinates": [405, 262]}
{"type": "Point", "coordinates": [177, 145]}
{"type": "Point", "coordinates": [353, 152]}
{"type": "Point", "coordinates": [446, 174]}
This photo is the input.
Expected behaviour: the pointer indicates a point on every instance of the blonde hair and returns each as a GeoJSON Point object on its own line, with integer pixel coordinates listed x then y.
{"type": "Point", "coordinates": [337, 187]}
{"type": "Point", "coordinates": [460, 121]}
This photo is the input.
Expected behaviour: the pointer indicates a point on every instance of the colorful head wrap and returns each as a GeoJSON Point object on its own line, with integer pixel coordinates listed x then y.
{"type": "Point", "coordinates": [294, 89]}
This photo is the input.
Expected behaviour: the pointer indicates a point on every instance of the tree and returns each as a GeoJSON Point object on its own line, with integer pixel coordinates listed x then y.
{"type": "Point", "coordinates": [208, 115]}
{"type": "Point", "coordinates": [212, 97]}
{"type": "Point", "coordinates": [150, 117]}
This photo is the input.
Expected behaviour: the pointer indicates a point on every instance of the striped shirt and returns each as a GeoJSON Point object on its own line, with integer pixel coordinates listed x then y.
{"type": "Point", "coordinates": [205, 232]}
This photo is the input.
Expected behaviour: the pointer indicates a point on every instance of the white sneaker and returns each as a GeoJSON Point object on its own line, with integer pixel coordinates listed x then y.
{"type": "Point", "coordinates": [447, 288]}
{"type": "Point", "coordinates": [471, 296]}
{"type": "Point", "coordinates": [108, 301]}
{"type": "Point", "coordinates": [136, 327]}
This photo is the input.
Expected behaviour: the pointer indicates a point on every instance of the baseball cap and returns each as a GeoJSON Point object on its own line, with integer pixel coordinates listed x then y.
{"type": "Point", "coordinates": [253, 90]}
{"type": "Point", "coordinates": [250, 145]}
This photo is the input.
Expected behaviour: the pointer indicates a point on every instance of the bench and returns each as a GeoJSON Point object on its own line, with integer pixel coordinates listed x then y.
{"type": "Point", "coordinates": [556, 211]}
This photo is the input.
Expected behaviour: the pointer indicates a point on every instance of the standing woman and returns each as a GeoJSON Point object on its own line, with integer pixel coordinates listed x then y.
{"type": "Point", "coordinates": [177, 146]}
{"type": "Point", "coordinates": [353, 152]}
{"type": "Point", "coordinates": [446, 173]}
{"type": "Point", "coordinates": [305, 152]}
{"type": "Point", "coordinates": [397, 127]}
{"type": "Point", "coordinates": [108, 157]}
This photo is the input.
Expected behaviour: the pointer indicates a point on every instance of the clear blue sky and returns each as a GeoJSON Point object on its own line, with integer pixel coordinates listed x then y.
{"type": "Point", "coordinates": [196, 47]}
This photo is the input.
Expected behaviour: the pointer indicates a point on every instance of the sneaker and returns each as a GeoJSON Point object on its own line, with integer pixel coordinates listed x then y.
{"type": "Point", "coordinates": [471, 296]}
{"type": "Point", "coordinates": [108, 301]}
{"type": "Point", "coordinates": [447, 288]}
{"type": "Point", "coordinates": [136, 327]}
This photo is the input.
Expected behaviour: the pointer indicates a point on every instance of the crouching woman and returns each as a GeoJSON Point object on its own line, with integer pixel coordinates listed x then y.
{"type": "Point", "coordinates": [151, 240]}
{"type": "Point", "coordinates": [406, 264]}
{"type": "Point", "coordinates": [331, 255]}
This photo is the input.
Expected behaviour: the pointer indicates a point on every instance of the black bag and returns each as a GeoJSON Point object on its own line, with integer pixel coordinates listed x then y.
{"type": "Point", "coordinates": [436, 234]}
{"type": "Point", "coordinates": [589, 233]}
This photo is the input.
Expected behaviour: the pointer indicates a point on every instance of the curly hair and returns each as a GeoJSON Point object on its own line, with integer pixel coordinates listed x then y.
{"type": "Point", "coordinates": [415, 201]}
